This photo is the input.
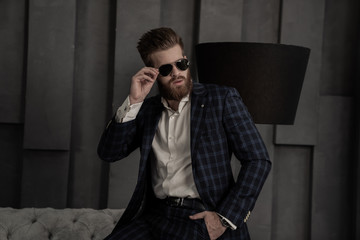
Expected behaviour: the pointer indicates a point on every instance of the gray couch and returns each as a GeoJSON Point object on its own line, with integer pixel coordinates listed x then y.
{"type": "Point", "coordinates": [56, 224]}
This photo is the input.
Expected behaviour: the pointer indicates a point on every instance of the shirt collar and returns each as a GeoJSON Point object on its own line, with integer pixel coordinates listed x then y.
{"type": "Point", "coordinates": [182, 103]}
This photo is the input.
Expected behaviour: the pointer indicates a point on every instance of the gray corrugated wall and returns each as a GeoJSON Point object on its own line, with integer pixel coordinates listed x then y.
{"type": "Point", "coordinates": [65, 66]}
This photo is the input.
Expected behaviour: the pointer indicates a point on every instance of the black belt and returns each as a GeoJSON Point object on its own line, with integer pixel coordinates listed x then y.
{"type": "Point", "coordinates": [192, 203]}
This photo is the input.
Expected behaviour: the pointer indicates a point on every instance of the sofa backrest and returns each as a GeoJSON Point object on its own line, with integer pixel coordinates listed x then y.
{"type": "Point", "coordinates": [57, 224]}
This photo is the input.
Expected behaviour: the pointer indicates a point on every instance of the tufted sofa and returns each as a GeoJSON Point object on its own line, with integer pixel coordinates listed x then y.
{"type": "Point", "coordinates": [57, 224]}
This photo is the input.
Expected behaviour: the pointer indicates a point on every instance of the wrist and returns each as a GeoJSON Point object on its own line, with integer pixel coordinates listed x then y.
{"type": "Point", "coordinates": [224, 223]}
{"type": "Point", "coordinates": [133, 100]}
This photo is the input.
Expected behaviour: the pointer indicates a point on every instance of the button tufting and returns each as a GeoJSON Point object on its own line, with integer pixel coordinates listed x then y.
{"type": "Point", "coordinates": [53, 224]}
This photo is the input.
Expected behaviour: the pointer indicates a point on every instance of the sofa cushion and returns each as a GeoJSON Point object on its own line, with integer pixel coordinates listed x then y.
{"type": "Point", "coordinates": [54, 224]}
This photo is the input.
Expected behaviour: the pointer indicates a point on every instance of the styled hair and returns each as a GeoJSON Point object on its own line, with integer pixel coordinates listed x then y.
{"type": "Point", "coordinates": [155, 40]}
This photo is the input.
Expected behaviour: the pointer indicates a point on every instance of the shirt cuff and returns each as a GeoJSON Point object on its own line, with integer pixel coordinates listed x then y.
{"type": "Point", "coordinates": [232, 226]}
{"type": "Point", "coordinates": [127, 112]}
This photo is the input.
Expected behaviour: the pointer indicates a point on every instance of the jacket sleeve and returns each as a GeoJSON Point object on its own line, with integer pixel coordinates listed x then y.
{"type": "Point", "coordinates": [248, 147]}
{"type": "Point", "coordinates": [118, 140]}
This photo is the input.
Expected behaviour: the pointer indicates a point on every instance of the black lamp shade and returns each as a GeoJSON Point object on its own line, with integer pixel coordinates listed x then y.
{"type": "Point", "coordinates": [269, 77]}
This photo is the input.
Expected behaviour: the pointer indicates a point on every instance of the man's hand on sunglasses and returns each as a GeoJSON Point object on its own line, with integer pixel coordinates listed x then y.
{"type": "Point", "coordinates": [141, 84]}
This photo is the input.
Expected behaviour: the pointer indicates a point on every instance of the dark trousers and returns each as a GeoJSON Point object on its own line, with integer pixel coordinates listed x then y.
{"type": "Point", "coordinates": [162, 222]}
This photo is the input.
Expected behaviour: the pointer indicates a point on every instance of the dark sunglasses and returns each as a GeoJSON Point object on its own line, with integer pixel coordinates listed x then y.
{"type": "Point", "coordinates": [181, 64]}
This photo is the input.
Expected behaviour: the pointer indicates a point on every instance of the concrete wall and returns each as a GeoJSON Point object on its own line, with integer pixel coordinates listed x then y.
{"type": "Point", "coordinates": [65, 66]}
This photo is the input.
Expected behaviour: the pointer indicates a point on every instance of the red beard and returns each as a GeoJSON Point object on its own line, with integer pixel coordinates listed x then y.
{"type": "Point", "coordinates": [172, 92]}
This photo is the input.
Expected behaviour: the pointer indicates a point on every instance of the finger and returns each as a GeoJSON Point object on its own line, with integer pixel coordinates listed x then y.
{"type": "Point", "coordinates": [147, 78]}
{"type": "Point", "coordinates": [152, 76]}
{"type": "Point", "coordinates": [151, 68]}
{"type": "Point", "coordinates": [200, 215]}
{"type": "Point", "coordinates": [153, 72]}
{"type": "Point", "coordinates": [142, 77]}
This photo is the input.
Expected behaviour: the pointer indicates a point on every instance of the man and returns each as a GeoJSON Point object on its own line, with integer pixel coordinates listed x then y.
{"type": "Point", "coordinates": [186, 135]}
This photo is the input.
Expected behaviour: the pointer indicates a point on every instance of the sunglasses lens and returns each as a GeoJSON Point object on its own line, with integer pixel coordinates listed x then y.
{"type": "Point", "coordinates": [183, 64]}
{"type": "Point", "coordinates": [164, 70]}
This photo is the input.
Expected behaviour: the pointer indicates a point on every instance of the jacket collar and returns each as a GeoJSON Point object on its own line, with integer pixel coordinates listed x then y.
{"type": "Point", "coordinates": [199, 90]}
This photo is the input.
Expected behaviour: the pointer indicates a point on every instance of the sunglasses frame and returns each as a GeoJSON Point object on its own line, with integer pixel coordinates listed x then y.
{"type": "Point", "coordinates": [187, 64]}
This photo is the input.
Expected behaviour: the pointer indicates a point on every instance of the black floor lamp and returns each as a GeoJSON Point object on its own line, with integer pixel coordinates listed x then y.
{"type": "Point", "coordinates": [268, 76]}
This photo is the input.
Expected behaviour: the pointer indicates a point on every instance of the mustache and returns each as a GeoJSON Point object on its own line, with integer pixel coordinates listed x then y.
{"type": "Point", "coordinates": [177, 78]}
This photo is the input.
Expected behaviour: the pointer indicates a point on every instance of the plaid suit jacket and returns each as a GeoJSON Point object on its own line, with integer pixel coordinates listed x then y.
{"type": "Point", "coordinates": [220, 126]}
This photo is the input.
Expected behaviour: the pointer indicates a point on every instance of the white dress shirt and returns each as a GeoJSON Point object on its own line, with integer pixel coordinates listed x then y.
{"type": "Point", "coordinates": [171, 169]}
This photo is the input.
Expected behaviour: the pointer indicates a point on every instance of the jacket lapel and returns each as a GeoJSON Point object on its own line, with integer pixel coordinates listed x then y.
{"type": "Point", "coordinates": [152, 120]}
{"type": "Point", "coordinates": [198, 109]}
{"type": "Point", "coordinates": [150, 124]}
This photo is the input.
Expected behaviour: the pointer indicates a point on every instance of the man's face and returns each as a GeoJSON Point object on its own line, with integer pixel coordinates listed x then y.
{"type": "Point", "coordinates": [178, 83]}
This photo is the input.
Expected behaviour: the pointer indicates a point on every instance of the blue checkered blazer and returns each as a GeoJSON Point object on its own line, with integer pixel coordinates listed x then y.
{"type": "Point", "coordinates": [220, 126]}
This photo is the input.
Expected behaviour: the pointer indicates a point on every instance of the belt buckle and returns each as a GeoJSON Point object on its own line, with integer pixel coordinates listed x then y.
{"type": "Point", "coordinates": [177, 202]}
